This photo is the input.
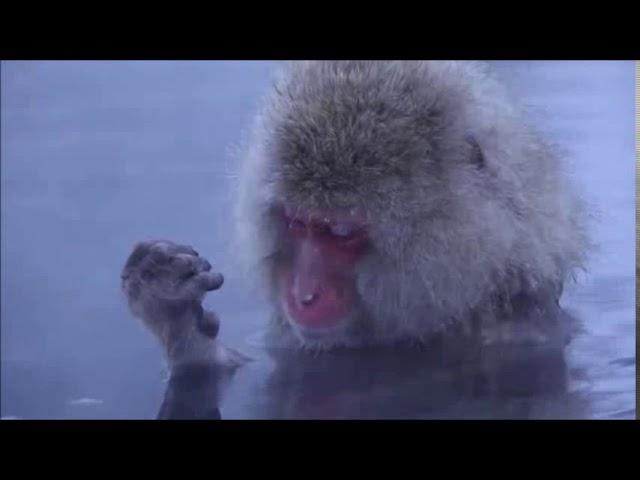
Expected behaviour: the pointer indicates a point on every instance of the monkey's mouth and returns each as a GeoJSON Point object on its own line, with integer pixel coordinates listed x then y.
{"type": "Point", "coordinates": [314, 304]}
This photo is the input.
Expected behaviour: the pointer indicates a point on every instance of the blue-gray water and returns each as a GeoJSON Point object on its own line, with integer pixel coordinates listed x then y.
{"type": "Point", "coordinates": [98, 155]}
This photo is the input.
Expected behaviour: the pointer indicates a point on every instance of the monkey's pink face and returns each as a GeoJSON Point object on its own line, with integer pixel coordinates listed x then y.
{"type": "Point", "coordinates": [317, 286]}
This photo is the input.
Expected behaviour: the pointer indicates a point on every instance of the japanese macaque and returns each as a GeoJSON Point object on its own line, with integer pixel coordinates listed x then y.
{"type": "Point", "coordinates": [382, 203]}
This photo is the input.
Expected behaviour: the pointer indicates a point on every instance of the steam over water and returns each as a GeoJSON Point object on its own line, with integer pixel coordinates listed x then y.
{"type": "Point", "coordinates": [99, 155]}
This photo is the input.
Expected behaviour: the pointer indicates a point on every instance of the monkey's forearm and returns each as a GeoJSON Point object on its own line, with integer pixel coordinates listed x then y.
{"type": "Point", "coordinates": [188, 336]}
{"type": "Point", "coordinates": [190, 347]}
{"type": "Point", "coordinates": [200, 368]}
{"type": "Point", "coordinates": [193, 393]}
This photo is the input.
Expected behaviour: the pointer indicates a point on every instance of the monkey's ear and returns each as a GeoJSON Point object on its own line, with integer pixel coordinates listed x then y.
{"type": "Point", "coordinates": [477, 156]}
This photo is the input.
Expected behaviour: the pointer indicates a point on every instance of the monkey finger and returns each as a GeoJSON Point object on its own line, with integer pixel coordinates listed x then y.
{"type": "Point", "coordinates": [186, 249]}
{"type": "Point", "coordinates": [139, 253]}
{"type": "Point", "coordinates": [159, 252]}
{"type": "Point", "coordinates": [209, 281]}
{"type": "Point", "coordinates": [185, 265]}
{"type": "Point", "coordinates": [208, 324]}
{"type": "Point", "coordinates": [202, 264]}
{"type": "Point", "coordinates": [165, 246]}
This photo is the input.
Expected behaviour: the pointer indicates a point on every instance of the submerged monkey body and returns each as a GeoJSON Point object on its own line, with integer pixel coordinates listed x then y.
{"type": "Point", "coordinates": [385, 202]}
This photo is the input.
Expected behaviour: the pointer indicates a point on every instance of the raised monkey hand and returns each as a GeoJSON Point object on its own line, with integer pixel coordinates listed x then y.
{"type": "Point", "coordinates": [165, 284]}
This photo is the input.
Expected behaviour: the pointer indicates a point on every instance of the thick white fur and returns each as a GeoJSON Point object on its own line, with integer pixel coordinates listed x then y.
{"type": "Point", "coordinates": [450, 236]}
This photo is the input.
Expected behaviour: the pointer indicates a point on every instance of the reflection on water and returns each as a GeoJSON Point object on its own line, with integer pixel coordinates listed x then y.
{"type": "Point", "coordinates": [394, 383]}
{"type": "Point", "coordinates": [98, 155]}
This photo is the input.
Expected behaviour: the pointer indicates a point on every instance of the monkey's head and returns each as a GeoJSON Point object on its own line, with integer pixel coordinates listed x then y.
{"type": "Point", "coordinates": [364, 199]}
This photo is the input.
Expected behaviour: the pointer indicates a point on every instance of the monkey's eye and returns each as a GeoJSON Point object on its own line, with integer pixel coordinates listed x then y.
{"type": "Point", "coordinates": [348, 234]}
{"type": "Point", "coordinates": [342, 230]}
